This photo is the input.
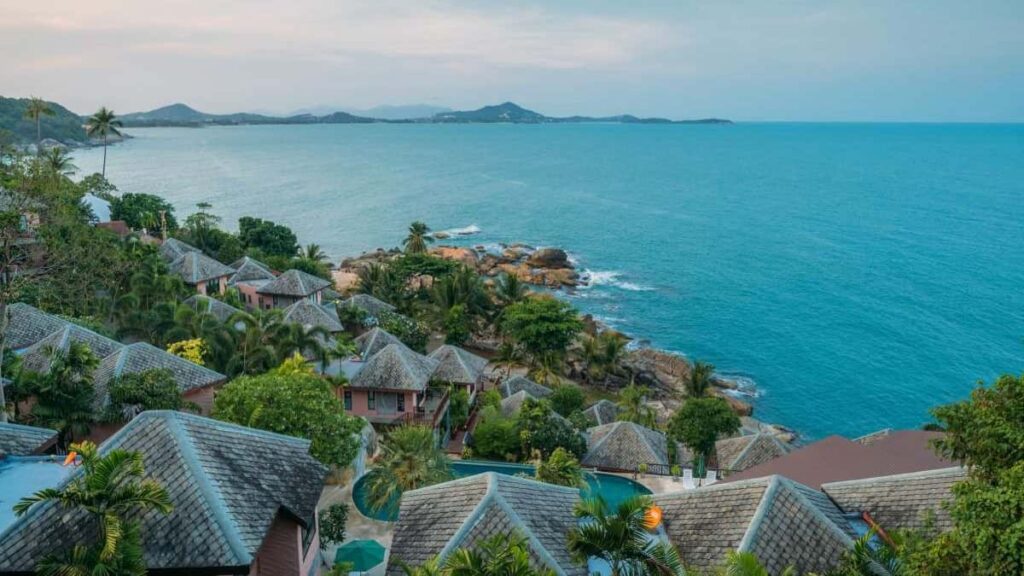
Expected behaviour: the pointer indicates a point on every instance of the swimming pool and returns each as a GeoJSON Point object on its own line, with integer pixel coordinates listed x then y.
{"type": "Point", "coordinates": [613, 489]}
{"type": "Point", "coordinates": [22, 476]}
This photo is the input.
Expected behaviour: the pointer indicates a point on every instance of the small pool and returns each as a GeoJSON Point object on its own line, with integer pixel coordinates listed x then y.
{"type": "Point", "coordinates": [613, 489]}
{"type": "Point", "coordinates": [22, 476]}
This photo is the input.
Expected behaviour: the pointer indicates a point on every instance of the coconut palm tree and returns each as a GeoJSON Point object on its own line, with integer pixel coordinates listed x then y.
{"type": "Point", "coordinates": [747, 564]}
{"type": "Point", "coordinates": [59, 161]}
{"type": "Point", "coordinates": [633, 406]}
{"type": "Point", "coordinates": [509, 355]}
{"type": "Point", "coordinates": [548, 367]}
{"type": "Point", "coordinates": [257, 349]}
{"type": "Point", "coordinates": [314, 253]}
{"type": "Point", "coordinates": [620, 538]}
{"type": "Point", "coordinates": [103, 123]}
{"type": "Point", "coordinates": [418, 238]}
{"type": "Point", "coordinates": [65, 394]}
{"type": "Point", "coordinates": [499, 555]}
{"type": "Point", "coordinates": [410, 458]}
{"type": "Point", "coordinates": [36, 109]}
{"type": "Point", "coordinates": [700, 379]}
{"type": "Point", "coordinates": [509, 289]}
{"type": "Point", "coordinates": [111, 489]}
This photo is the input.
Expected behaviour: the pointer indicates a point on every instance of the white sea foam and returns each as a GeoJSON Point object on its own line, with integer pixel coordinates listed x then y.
{"type": "Point", "coordinates": [611, 278]}
{"type": "Point", "coordinates": [467, 231]}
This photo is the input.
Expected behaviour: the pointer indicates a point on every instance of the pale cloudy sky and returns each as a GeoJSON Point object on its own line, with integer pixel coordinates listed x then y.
{"type": "Point", "coordinates": [901, 60]}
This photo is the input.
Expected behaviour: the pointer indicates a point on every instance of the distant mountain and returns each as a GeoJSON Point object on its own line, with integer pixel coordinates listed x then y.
{"type": "Point", "coordinates": [184, 115]}
{"type": "Point", "coordinates": [404, 112]}
{"type": "Point", "coordinates": [506, 112]}
{"type": "Point", "coordinates": [64, 126]}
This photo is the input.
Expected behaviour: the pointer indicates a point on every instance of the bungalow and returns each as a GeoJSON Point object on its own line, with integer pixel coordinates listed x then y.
{"type": "Point", "coordinates": [374, 341]}
{"type": "Point", "coordinates": [626, 446]}
{"type": "Point", "coordinates": [393, 387]}
{"type": "Point", "coordinates": [290, 287]}
{"type": "Point", "coordinates": [743, 452]}
{"type": "Point", "coordinates": [250, 275]}
{"type": "Point", "coordinates": [517, 383]}
{"type": "Point", "coordinates": [244, 502]}
{"type": "Point", "coordinates": [37, 357]}
{"type": "Point", "coordinates": [21, 440]}
{"type": "Point", "coordinates": [308, 314]}
{"type": "Point", "coordinates": [171, 249]}
{"type": "Point", "coordinates": [204, 274]}
{"type": "Point", "coordinates": [439, 519]}
{"type": "Point", "coordinates": [458, 367]}
{"type": "Point", "coordinates": [602, 412]}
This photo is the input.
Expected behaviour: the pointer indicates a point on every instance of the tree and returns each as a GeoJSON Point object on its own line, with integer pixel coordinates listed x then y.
{"type": "Point", "coordinates": [509, 289]}
{"type": "Point", "coordinates": [498, 555]}
{"type": "Point", "coordinates": [65, 394]}
{"type": "Point", "coordinates": [418, 238]}
{"type": "Point", "coordinates": [269, 238]}
{"type": "Point", "coordinates": [699, 423]}
{"type": "Point", "coordinates": [58, 161]}
{"type": "Point", "coordinates": [295, 405]}
{"type": "Point", "coordinates": [541, 324]}
{"type": "Point", "coordinates": [103, 123]}
{"type": "Point", "coordinates": [332, 524]}
{"type": "Point", "coordinates": [144, 211]}
{"type": "Point", "coordinates": [458, 407]}
{"type": "Point", "coordinates": [194, 350]}
{"type": "Point", "coordinates": [619, 537]}
{"type": "Point", "coordinates": [540, 431]}
{"type": "Point", "coordinates": [633, 406]}
{"type": "Point", "coordinates": [603, 354]}
{"type": "Point", "coordinates": [132, 394]}
{"type": "Point", "coordinates": [410, 458]}
{"type": "Point", "coordinates": [36, 109]}
{"type": "Point", "coordinates": [495, 436]}
{"type": "Point", "coordinates": [567, 399]}
{"type": "Point", "coordinates": [509, 355]}
{"type": "Point", "coordinates": [113, 491]}
{"type": "Point", "coordinates": [700, 379]}
{"type": "Point", "coordinates": [747, 564]}
{"type": "Point", "coordinates": [315, 253]}
{"type": "Point", "coordinates": [561, 468]}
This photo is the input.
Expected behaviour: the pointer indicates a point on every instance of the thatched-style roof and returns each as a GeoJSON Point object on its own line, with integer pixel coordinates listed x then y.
{"type": "Point", "coordinates": [396, 367]}
{"type": "Point", "coordinates": [625, 446]}
{"type": "Point", "coordinates": [196, 267]}
{"type": "Point", "coordinates": [517, 383]}
{"type": "Point", "coordinates": [294, 283]}
{"type": "Point", "coordinates": [457, 366]}
{"type": "Point", "coordinates": [309, 314]}
{"type": "Point", "coordinates": [250, 270]}
{"type": "Point", "coordinates": [374, 341]}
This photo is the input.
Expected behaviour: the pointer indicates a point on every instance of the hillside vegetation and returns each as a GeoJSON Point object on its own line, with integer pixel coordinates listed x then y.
{"type": "Point", "coordinates": [64, 125]}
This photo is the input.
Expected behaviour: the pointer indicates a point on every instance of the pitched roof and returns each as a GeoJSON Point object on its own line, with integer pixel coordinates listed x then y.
{"type": "Point", "coordinates": [205, 304]}
{"type": "Point", "coordinates": [781, 521]}
{"type": "Point", "coordinates": [396, 367]}
{"type": "Point", "coordinates": [172, 249]}
{"type": "Point", "coordinates": [331, 294]}
{"type": "Point", "coordinates": [227, 483]}
{"type": "Point", "coordinates": [21, 440]}
{"type": "Point", "coordinates": [602, 412]}
{"type": "Point", "coordinates": [835, 459]}
{"type": "Point", "coordinates": [248, 270]}
{"type": "Point", "coordinates": [368, 304]}
{"type": "Point", "coordinates": [440, 519]}
{"type": "Point", "coordinates": [374, 341]}
{"type": "Point", "coordinates": [294, 283]}
{"type": "Point", "coordinates": [457, 366]}
{"type": "Point", "coordinates": [517, 383]}
{"type": "Point", "coordinates": [141, 357]}
{"type": "Point", "coordinates": [196, 267]}
{"type": "Point", "coordinates": [309, 313]}
{"type": "Point", "coordinates": [625, 446]}
{"type": "Point", "coordinates": [900, 501]}
{"type": "Point", "coordinates": [27, 325]}
{"type": "Point", "coordinates": [513, 403]}
{"type": "Point", "coordinates": [742, 452]}
{"type": "Point", "coordinates": [36, 358]}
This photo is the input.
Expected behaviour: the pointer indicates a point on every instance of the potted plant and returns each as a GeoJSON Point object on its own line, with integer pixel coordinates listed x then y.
{"type": "Point", "coordinates": [676, 472]}
{"type": "Point", "coordinates": [642, 469]}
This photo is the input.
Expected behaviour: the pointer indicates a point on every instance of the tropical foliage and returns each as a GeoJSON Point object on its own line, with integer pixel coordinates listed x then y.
{"type": "Point", "coordinates": [132, 394]}
{"type": "Point", "coordinates": [633, 406]}
{"type": "Point", "coordinates": [561, 468]}
{"type": "Point", "coordinates": [700, 422]}
{"type": "Point", "coordinates": [64, 393]}
{"type": "Point", "coordinates": [409, 459]}
{"type": "Point", "coordinates": [620, 537]}
{"type": "Point", "coordinates": [332, 524]}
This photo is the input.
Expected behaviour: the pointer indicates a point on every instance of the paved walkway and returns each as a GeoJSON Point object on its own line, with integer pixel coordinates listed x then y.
{"type": "Point", "coordinates": [358, 527]}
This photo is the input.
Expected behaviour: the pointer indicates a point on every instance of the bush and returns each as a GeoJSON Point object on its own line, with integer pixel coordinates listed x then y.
{"type": "Point", "coordinates": [132, 394]}
{"type": "Point", "coordinates": [561, 468]}
{"type": "Point", "coordinates": [496, 437]}
{"type": "Point", "coordinates": [332, 524]}
{"type": "Point", "coordinates": [566, 399]}
{"type": "Point", "coordinates": [541, 431]}
{"type": "Point", "coordinates": [143, 211]}
{"type": "Point", "coordinates": [409, 331]}
{"type": "Point", "coordinates": [458, 408]}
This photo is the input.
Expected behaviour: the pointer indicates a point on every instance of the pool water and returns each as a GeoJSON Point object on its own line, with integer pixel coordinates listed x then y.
{"type": "Point", "coordinates": [613, 489]}
{"type": "Point", "coordinates": [22, 476]}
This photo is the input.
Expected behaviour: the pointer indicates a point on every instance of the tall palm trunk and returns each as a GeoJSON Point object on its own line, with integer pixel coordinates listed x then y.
{"type": "Point", "coordinates": [39, 135]}
{"type": "Point", "coordinates": [104, 155]}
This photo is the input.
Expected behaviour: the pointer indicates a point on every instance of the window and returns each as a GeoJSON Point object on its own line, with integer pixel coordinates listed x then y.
{"type": "Point", "coordinates": [401, 402]}
{"type": "Point", "coordinates": [213, 286]}
{"type": "Point", "coordinates": [348, 400]}
{"type": "Point", "coordinates": [371, 400]}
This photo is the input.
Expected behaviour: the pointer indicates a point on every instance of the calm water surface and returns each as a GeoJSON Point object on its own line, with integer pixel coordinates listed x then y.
{"type": "Point", "coordinates": [857, 273]}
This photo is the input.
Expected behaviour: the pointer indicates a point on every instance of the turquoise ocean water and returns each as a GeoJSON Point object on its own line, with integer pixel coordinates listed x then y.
{"type": "Point", "coordinates": [857, 273]}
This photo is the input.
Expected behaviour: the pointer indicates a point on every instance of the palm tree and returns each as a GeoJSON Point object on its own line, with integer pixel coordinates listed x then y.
{"type": "Point", "coordinates": [747, 564]}
{"type": "Point", "coordinates": [111, 489]}
{"type": "Point", "coordinates": [410, 458]}
{"type": "Point", "coordinates": [872, 556]}
{"type": "Point", "coordinates": [36, 109]}
{"type": "Point", "coordinates": [499, 555]}
{"type": "Point", "coordinates": [509, 289]}
{"type": "Point", "coordinates": [508, 355]}
{"type": "Point", "coordinates": [700, 379]}
{"type": "Point", "coordinates": [59, 161]}
{"type": "Point", "coordinates": [418, 238]}
{"type": "Point", "coordinates": [103, 123]}
{"type": "Point", "coordinates": [257, 351]}
{"type": "Point", "coordinates": [314, 253]}
{"type": "Point", "coordinates": [547, 367]}
{"type": "Point", "coordinates": [65, 394]}
{"type": "Point", "coordinates": [633, 406]}
{"type": "Point", "coordinates": [620, 538]}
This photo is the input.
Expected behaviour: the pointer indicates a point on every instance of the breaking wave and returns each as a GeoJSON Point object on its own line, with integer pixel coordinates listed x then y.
{"type": "Point", "coordinates": [611, 278]}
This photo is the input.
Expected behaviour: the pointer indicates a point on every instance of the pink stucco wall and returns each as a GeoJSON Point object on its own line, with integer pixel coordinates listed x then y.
{"type": "Point", "coordinates": [281, 553]}
{"type": "Point", "coordinates": [360, 403]}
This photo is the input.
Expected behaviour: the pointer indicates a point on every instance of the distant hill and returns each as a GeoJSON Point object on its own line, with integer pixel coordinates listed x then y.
{"type": "Point", "coordinates": [184, 115]}
{"type": "Point", "coordinates": [387, 112]}
{"type": "Point", "coordinates": [64, 125]}
{"type": "Point", "coordinates": [506, 112]}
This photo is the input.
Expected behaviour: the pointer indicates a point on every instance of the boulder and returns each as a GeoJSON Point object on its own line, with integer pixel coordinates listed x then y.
{"type": "Point", "coordinates": [549, 258]}
{"type": "Point", "coordinates": [463, 255]}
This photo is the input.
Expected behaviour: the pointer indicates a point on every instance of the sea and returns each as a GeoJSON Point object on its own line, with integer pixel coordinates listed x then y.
{"type": "Point", "coordinates": [850, 276]}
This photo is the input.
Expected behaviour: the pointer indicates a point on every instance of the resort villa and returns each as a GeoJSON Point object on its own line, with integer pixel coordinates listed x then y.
{"type": "Point", "coordinates": [250, 275]}
{"type": "Point", "coordinates": [393, 387]}
{"type": "Point", "coordinates": [244, 500]}
{"type": "Point", "coordinates": [290, 287]}
{"type": "Point", "coordinates": [204, 274]}
{"type": "Point", "coordinates": [460, 368]}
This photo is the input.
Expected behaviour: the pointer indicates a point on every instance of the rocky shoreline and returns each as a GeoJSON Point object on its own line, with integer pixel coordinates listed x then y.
{"type": "Point", "coordinates": [665, 373]}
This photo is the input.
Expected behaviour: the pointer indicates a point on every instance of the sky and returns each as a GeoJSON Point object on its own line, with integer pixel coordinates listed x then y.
{"type": "Point", "coordinates": [778, 60]}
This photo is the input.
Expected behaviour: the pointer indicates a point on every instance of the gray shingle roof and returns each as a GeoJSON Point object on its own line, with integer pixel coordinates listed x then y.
{"type": "Point", "coordinates": [226, 482]}
{"type": "Point", "coordinates": [332, 295]}
{"type": "Point", "coordinates": [517, 383]}
{"type": "Point", "coordinates": [395, 367]}
{"type": "Point", "coordinates": [141, 357]}
{"type": "Point", "coordinates": [309, 313]}
{"type": "Point", "coordinates": [374, 341]}
{"type": "Point", "coordinates": [902, 500]}
{"type": "Point", "coordinates": [21, 440]}
{"type": "Point", "coordinates": [780, 521]}
{"type": "Point", "coordinates": [625, 446]}
{"type": "Point", "coordinates": [27, 325]}
{"type": "Point", "coordinates": [294, 283]}
{"type": "Point", "coordinates": [249, 270]}
{"type": "Point", "coordinates": [602, 412]}
{"type": "Point", "coordinates": [172, 249]}
{"type": "Point", "coordinates": [511, 405]}
{"type": "Point", "coordinates": [368, 304]}
{"type": "Point", "coordinates": [440, 519]}
{"type": "Point", "coordinates": [743, 452]}
{"type": "Point", "coordinates": [208, 305]}
{"type": "Point", "coordinates": [36, 358]}
{"type": "Point", "coordinates": [457, 366]}
{"type": "Point", "coordinates": [196, 267]}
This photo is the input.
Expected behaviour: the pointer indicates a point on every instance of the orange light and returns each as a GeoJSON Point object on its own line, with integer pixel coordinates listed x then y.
{"type": "Point", "coordinates": [70, 458]}
{"type": "Point", "coordinates": [652, 519]}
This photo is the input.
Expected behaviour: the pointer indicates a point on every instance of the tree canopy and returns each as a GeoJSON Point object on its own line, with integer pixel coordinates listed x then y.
{"type": "Point", "coordinates": [541, 324]}
{"type": "Point", "coordinates": [699, 423]}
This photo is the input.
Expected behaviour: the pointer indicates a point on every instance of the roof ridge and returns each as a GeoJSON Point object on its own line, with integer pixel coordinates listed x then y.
{"type": "Point", "coordinates": [175, 357]}
{"type": "Point", "coordinates": [473, 517]}
{"type": "Point", "coordinates": [718, 487]}
{"type": "Point", "coordinates": [794, 486]}
{"type": "Point", "coordinates": [743, 452]}
{"type": "Point", "coordinates": [645, 438]}
{"type": "Point", "coordinates": [223, 425]}
{"type": "Point", "coordinates": [934, 472]}
{"type": "Point", "coordinates": [535, 543]}
{"type": "Point", "coordinates": [25, 426]}
{"type": "Point", "coordinates": [767, 497]}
